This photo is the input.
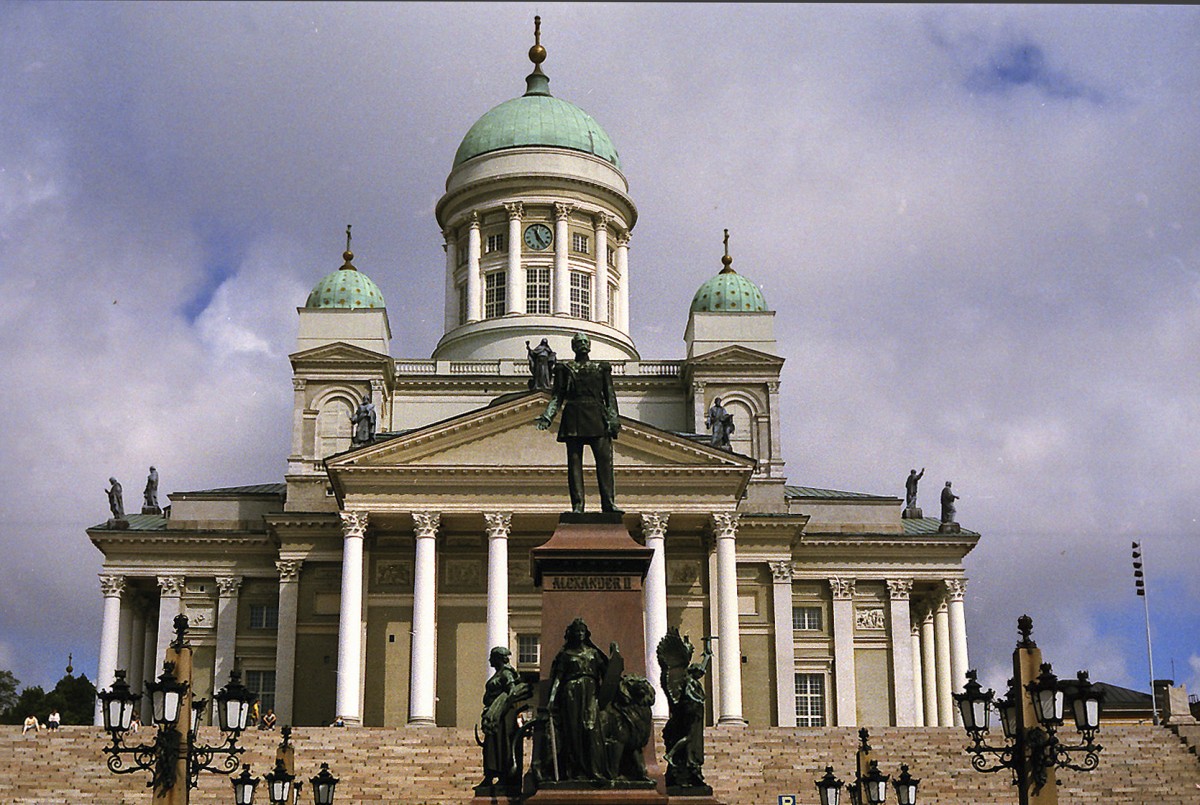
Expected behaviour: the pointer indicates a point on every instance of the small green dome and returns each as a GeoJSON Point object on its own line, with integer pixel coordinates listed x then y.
{"type": "Point", "coordinates": [345, 288]}
{"type": "Point", "coordinates": [728, 292]}
{"type": "Point", "coordinates": [536, 118]}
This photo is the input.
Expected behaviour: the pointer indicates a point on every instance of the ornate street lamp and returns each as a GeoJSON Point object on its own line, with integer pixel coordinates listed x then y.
{"type": "Point", "coordinates": [168, 698]}
{"type": "Point", "coordinates": [1032, 748]}
{"type": "Point", "coordinates": [869, 788]}
{"type": "Point", "coordinates": [323, 785]}
{"type": "Point", "coordinates": [243, 787]}
{"type": "Point", "coordinates": [279, 784]}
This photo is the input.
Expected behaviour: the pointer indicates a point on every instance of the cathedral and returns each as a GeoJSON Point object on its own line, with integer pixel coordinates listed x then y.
{"type": "Point", "coordinates": [368, 584]}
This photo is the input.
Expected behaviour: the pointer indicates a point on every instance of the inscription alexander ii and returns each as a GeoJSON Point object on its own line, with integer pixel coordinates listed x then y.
{"type": "Point", "coordinates": [584, 583]}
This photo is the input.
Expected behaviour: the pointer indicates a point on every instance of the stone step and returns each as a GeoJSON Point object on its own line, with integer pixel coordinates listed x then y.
{"type": "Point", "coordinates": [1140, 765]}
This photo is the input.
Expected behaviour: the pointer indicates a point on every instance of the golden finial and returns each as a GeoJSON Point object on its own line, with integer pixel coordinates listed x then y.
{"type": "Point", "coordinates": [348, 255]}
{"type": "Point", "coordinates": [727, 261]}
{"type": "Point", "coordinates": [537, 53]}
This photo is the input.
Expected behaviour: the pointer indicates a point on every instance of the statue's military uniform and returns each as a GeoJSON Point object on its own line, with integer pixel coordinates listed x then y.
{"type": "Point", "coordinates": [591, 406]}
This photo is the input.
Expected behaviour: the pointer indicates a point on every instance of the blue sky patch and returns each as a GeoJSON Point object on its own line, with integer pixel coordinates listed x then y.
{"type": "Point", "coordinates": [224, 250]}
{"type": "Point", "coordinates": [1024, 64]}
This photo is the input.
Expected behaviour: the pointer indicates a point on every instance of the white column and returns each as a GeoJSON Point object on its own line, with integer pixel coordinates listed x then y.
{"type": "Point", "coordinates": [285, 638]}
{"type": "Point", "coordinates": [918, 680]}
{"type": "Point", "coordinates": [227, 610]}
{"type": "Point", "coordinates": [137, 649]}
{"type": "Point", "coordinates": [562, 274]}
{"type": "Point", "coordinates": [843, 651]}
{"type": "Point", "coordinates": [955, 591]}
{"type": "Point", "coordinates": [110, 636]}
{"type": "Point", "coordinates": [499, 525]}
{"type": "Point", "coordinates": [423, 683]}
{"type": "Point", "coordinates": [729, 642]}
{"type": "Point", "coordinates": [170, 605]}
{"type": "Point", "coordinates": [350, 616]}
{"type": "Point", "coordinates": [451, 247]}
{"type": "Point", "coordinates": [515, 293]}
{"type": "Point", "coordinates": [941, 638]}
{"type": "Point", "coordinates": [929, 667]}
{"type": "Point", "coordinates": [600, 308]}
{"type": "Point", "coordinates": [474, 278]}
{"type": "Point", "coordinates": [900, 638]}
{"type": "Point", "coordinates": [654, 602]}
{"type": "Point", "coordinates": [785, 643]}
{"type": "Point", "coordinates": [622, 307]}
{"type": "Point", "coordinates": [714, 618]}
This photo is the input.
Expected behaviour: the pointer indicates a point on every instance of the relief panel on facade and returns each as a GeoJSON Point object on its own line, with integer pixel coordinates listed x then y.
{"type": "Point", "coordinates": [394, 573]}
{"type": "Point", "coordinates": [869, 619]}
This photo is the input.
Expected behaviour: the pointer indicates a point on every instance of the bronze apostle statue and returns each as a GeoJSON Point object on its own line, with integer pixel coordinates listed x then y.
{"type": "Point", "coordinates": [583, 391]}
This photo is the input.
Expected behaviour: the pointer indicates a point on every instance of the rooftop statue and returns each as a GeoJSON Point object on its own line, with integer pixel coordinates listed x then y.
{"type": "Point", "coordinates": [583, 390]}
{"type": "Point", "coordinates": [720, 423]}
{"type": "Point", "coordinates": [910, 488]}
{"type": "Point", "coordinates": [542, 361]}
{"type": "Point", "coordinates": [150, 494]}
{"type": "Point", "coordinates": [363, 420]}
{"type": "Point", "coordinates": [948, 510]}
{"type": "Point", "coordinates": [116, 500]}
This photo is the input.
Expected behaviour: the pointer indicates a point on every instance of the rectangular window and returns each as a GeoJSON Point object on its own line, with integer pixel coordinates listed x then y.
{"type": "Point", "coordinates": [810, 700]}
{"type": "Point", "coordinates": [612, 257]}
{"type": "Point", "coordinates": [579, 243]}
{"type": "Point", "coordinates": [462, 303]}
{"type": "Point", "coordinates": [461, 252]}
{"type": "Point", "coordinates": [495, 243]}
{"type": "Point", "coordinates": [807, 619]}
{"type": "Point", "coordinates": [581, 295]}
{"type": "Point", "coordinates": [529, 649]}
{"type": "Point", "coordinates": [537, 290]}
{"type": "Point", "coordinates": [494, 294]}
{"type": "Point", "coordinates": [264, 616]}
{"type": "Point", "coordinates": [261, 685]}
{"type": "Point", "coordinates": [612, 303]}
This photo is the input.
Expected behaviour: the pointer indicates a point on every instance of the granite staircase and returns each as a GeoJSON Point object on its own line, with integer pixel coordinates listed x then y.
{"type": "Point", "coordinates": [1140, 765]}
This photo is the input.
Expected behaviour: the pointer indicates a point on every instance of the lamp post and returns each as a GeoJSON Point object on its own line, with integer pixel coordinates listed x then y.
{"type": "Point", "coordinates": [1030, 716]}
{"type": "Point", "coordinates": [176, 757]}
{"type": "Point", "coordinates": [870, 784]}
{"type": "Point", "coordinates": [282, 786]}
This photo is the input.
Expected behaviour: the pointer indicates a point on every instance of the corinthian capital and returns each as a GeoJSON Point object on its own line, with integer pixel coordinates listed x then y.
{"type": "Point", "coordinates": [289, 569]}
{"type": "Point", "coordinates": [516, 210]}
{"type": "Point", "coordinates": [725, 524]}
{"type": "Point", "coordinates": [562, 210]}
{"type": "Point", "coordinates": [781, 571]}
{"type": "Point", "coordinates": [170, 585]}
{"type": "Point", "coordinates": [498, 524]}
{"type": "Point", "coordinates": [112, 586]}
{"type": "Point", "coordinates": [654, 524]}
{"type": "Point", "coordinates": [842, 588]}
{"type": "Point", "coordinates": [955, 589]}
{"type": "Point", "coordinates": [602, 220]}
{"type": "Point", "coordinates": [354, 524]}
{"type": "Point", "coordinates": [425, 524]}
{"type": "Point", "coordinates": [228, 586]}
{"type": "Point", "coordinates": [900, 589]}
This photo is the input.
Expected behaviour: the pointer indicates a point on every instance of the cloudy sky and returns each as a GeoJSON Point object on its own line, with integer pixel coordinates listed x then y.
{"type": "Point", "coordinates": [979, 226]}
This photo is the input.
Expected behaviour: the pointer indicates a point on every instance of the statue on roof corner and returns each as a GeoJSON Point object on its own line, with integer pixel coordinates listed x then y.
{"type": "Point", "coordinates": [910, 494]}
{"type": "Point", "coordinates": [542, 361]}
{"type": "Point", "coordinates": [583, 391]}
{"type": "Point", "coordinates": [150, 494]}
{"type": "Point", "coordinates": [949, 524]}
{"type": "Point", "coordinates": [363, 420]}
{"type": "Point", "coordinates": [116, 500]}
{"type": "Point", "coordinates": [720, 423]}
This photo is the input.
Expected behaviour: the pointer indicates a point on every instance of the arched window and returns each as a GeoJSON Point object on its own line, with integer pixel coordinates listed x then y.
{"type": "Point", "coordinates": [333, 427]}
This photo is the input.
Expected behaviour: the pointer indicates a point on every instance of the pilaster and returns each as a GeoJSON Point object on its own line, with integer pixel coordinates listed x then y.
{"type": "Point", "coordinates": [228, 588]}
{"type": "Point", "coordinates": [900, 648]}
{"type": "Point", "coordinates": [785, 642]}
{"type": "Point", "coordinates": [843, 651]}
{"type": "Point", "coordinates": [285, 640]}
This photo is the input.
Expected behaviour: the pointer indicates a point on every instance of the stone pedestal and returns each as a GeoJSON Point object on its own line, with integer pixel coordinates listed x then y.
{"type": "Point", "coordinates": [912, 513]}
{"type": "Point", "coordinates": [152, 510]}
{"type": "Point", "coordinates": [949, 528]}
{"type": "Point", "coordinates": [591, 568]}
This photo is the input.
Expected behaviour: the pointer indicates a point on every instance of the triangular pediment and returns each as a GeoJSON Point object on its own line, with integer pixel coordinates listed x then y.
{"type": "Point", "coordinates": [735, 356]}
{"type": "Point", "coordinates": [338, 352]}
{"type": "Point", "coordinates": [500, 448]}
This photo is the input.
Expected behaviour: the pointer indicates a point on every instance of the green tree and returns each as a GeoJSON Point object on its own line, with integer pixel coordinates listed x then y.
{"type": "Point", "coordinates": [75, 699]}
{"type": "Point", "coordinates": [31, 701]}
{"type": "Point", "coordinates": [8, 690]}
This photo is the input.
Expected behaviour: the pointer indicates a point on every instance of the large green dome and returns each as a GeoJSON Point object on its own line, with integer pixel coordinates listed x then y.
{"type": "Point", "coordinates": [345, 288]}
{"type": "Point", "coordinates": [728, 292]}
{"type": "Point", "coordinates": [536, 118]}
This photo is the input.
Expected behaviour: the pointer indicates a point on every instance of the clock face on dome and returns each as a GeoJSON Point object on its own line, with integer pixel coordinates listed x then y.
{"type": "Point", "coordinates": [538, 236]}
